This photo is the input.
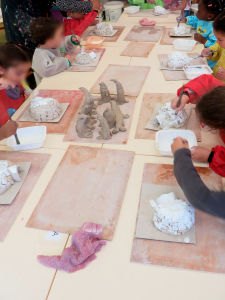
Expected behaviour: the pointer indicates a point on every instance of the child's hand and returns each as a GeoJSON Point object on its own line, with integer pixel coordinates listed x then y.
{"type": "Point", "coordinates": [5, 84]}
{"type": "Point", "coordinates": [71, 58]}
{"type": "Point", "coordinates": [75, 38]}
{"type": "Point", "coordinates": [8, 129]}
{"type": "Point", "coordinates": [184, 101]}
{"type": "Point", "coordinates": [207, 52]}
{"type": "Point", "coordinates": [200, 154]}
{"type": "Point", "coordinates": [220, 74]}
{"type": "Point", "coordinates": [179, 143]}
{"type": "Point", "coordinates": [199, 38]}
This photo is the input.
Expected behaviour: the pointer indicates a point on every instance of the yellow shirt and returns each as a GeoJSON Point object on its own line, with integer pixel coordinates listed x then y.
{"type": "Point", "coordinates": [218, 56]}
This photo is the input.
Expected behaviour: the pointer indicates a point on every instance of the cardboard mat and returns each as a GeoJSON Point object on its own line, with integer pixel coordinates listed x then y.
{"type": "Point", "coordinates": [150, 102]}
{"type": "Point", "coordinates": [89, 67]}
{"type": "Point", "coordinates": [208, 254]}
{"type": "Point", "coordinates": [9, 213]}
{"type": "Point", "coordinates": [9, 196]}
{"type": "Point", "coordinates": [144, 34]}
{"type": "Point", "coordinates": [168, 40]}
{"type": "Point", "coordinates": [90, 31]}
{"type": "Point", "coordinates": [131, 77]}
{"type": "Point", "coordinates": [88, 186]}
{"type": "Point", "coordinates": [119, 138]}
{"type": "Point", "coordinates": [176, 75]}
{"type": "Point", "coordinates": [140, 49]}
{"type": "Point", "coordinates": [74, 98]}
{"type": "Point", "coordinates": [145, 228]}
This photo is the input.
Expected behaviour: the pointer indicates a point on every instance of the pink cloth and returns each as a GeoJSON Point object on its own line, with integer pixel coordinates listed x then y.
{"type": "Point", "coordinates": [85, 243]}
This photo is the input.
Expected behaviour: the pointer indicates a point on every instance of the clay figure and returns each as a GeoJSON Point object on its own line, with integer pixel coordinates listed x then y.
{"type": "Point", "coordinates": [88, 107]}
{"type": "Point", "coordinates": [85, 126]}
{"type": "Point", "coordinates": [119, 126]}
{"type": "Point", "coordinates": [110, 117]}
{"type": "Point", "coordinates": [104, 132]}
{"type": "Point", "coordinates": [105, 95]}
{"type": "Point", "coordinates": [120, 97]}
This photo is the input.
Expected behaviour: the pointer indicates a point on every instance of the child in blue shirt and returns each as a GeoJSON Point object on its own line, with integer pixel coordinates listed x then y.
{"type": "Point", "coordinates": [203, 22]}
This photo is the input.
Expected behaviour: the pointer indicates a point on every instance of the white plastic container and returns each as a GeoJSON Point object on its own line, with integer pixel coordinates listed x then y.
{"type": "Point", "coordinates": [164, 139]}
{"type": "Point", "coordinates": [29, 137]}
{"type": "Point", "coordinates": [192, 72]}
{"type": "Point", "coordinates": [184, 45]}
{"type": "Point", "coordinates": [113, 10]}
{"type": "Point", "coordinates": [131, 9]}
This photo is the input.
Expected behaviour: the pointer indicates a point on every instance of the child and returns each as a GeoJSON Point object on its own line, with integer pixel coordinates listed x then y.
{"type": "Point", "coordinates": [14, 67]}
{"type": "Point", "coordinates": [203, 21]}
{"type": "Point", "coordinates": [192, 185]}
{"type": "Point", "coordinates": [81, 15]}
{"type": "Point", "coordinates": [216, 52]}
{"type": "Point", "coordinates": [54, 53]}
{"type": "Point", "coordinates": [209, 94]}
{"type": "Point", "coordinates": [8, 129]}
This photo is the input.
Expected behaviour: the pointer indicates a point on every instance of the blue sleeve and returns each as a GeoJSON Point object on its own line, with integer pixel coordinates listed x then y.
{"type": "Point", "coordinates": [211, 40]}
{"type": "Point", "coordinates": [192, 21]}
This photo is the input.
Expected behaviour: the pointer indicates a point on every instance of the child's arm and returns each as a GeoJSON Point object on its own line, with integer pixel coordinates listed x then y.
{"type": "Point", "coordinates": [192, 185]}
{"type": "Point", "coordinates": [8, 129]}
{"type": "Point", "coordinates": [46, 67]}
{"type": "Point", "coordinates": [192, 21]}
{"type": "Point", "coordinates": [199, 86]}
{"type": "Point", "coordinates": [211, 40]}
{"type": "Point", "coordinates": [217, 160]}
{"type": "Point", "coordinates": [81, 25]}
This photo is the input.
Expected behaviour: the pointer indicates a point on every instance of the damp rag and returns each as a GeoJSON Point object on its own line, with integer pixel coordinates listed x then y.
{"type": "Point", "coordinates": [85, 244]}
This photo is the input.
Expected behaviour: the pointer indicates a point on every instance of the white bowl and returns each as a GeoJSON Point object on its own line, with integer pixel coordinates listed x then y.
{"type": "Point", "coordinates": [184, 45]}
{"type": "Point", "coordinates": [131, 9]}
{"type": "Point", "coordinates": [29, 137]}
{"type": "Point", "coordinates": [192, 72]}
{"type": "Point", "coordinates": [164, 139]}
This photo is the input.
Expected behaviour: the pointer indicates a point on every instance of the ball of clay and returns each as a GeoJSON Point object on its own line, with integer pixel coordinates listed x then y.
{"type": "Point", "coordinates": [44, 109]}
{"type": "Point", "coordinates": [167, 117]}
{"type": "Point", "coordinates": [178, 60]}
{"type": "Point", "coordinates": [159, 10]}
{"type": "Point", "coordinates": [104, 29]}
{"type": "Point", "coordinates": [83, 58]}
{"type": "Point", "coordinates": [171, 215]}
{"type": "Point", "coordinates": [182, 29]}
{"type": "Point", "coordinates": [8, 175]}
{"type": "Point", "coordinates": [147, 22]}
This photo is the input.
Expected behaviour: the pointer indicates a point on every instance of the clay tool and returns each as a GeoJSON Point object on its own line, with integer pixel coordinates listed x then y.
{"type": "Point", "coordinates": [16, 137]}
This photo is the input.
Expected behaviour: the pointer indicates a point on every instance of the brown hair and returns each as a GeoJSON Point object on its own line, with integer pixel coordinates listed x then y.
{"type": "Point", "coordinates": [12, 54]}
{"type": "Point", "coordinates": [211, 108]}
{"type": "Point", "coordinates": [43, 29]}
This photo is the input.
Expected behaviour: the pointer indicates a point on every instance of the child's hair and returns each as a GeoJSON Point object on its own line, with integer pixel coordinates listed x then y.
{"type": "Point", "coordinates": [12, 54]}
{"type": "Point", "coordinates": [43, 29]}
{"type": "Point", "coordinates": [211, 108]}
{"type": "Point", "coordinates": [219, 23]}
{"type": "Point", "coordinates": [214, 6]}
